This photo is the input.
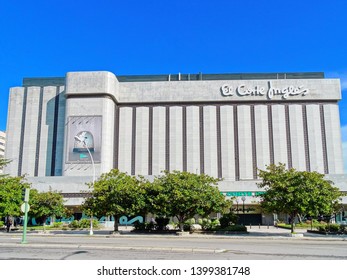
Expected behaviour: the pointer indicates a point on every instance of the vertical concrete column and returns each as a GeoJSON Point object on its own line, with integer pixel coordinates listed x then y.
{"type": "Point", "coordinates": [245, 142]}
{"type": "Point", "coordinates": [158, 156]}
{"type": "Point", "coordinates": [279, 135]}
{"type": "Point", "coordinates": [210, 141]}
{"type": "Point", "coordinates": [262, 136]}
{"type": "Point", "coordinates": [125, 135]}
{"type": "Point", "coordinates": [30, 131]}
{"type": "Point", "coordinates": [142, 141]}
{"type": "Point", "coordinates": [90, 99]}
{"type": "Point", "coordinates": [47, 127]}
{"type": "Point", "coordinates": [333, 138]}
{"type": "Point", "coordinates": [193, 140]}
{"type": "Point", "coordinates": [297, 137]}
{"type": "Point", "coordinates": [13, 136]}
{"type": "Point", "coordinates": [227, 142]}
{"type": "Point", "coordinates": [315, 143]}
{"type": "Point", "coordinates": [176, 139]}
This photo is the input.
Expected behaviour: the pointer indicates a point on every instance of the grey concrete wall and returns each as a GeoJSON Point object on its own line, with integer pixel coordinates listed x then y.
{"type": "Point", "coordinates": [155, 134]}
{"type": "Point", "coordinates": [159, 139]}
{"type": "Point", "coordinates": [14, 120]}
{"type": "Point", "coordinates": [315, 138]}
{"type": "Point", "coordinates": [262, 136]}
{"type": "Point", "coordinates": [191, 91]}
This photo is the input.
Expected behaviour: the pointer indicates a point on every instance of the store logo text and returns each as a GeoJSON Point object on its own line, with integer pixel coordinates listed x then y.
{"type": "Point", "coordinates": [284, 92]}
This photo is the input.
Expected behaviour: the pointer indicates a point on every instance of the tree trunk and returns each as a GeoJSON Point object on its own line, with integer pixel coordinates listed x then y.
{"type": "Point", "coordinates": [181, 223]}
{"type": "Point", "coordinates": [116, 224]}
{"type": "Point", "coordinates": [300, 219]}
{"type": "Point", "coordinates": [292, 219]}
{"type": "Point", "coordinates": [44, 223]}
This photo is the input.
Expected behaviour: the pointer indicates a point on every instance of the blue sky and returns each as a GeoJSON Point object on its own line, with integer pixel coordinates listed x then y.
{"type": "Point", "coordinates": [49, 38]}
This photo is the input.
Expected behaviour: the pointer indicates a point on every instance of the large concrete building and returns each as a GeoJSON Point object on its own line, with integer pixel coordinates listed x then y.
{"type": "Point", "coordinates": [2, 146]}
{"type": "Point", "coordinates": [224, 125]}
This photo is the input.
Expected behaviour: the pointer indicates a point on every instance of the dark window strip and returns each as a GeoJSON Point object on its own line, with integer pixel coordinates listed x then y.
{"type": "Point", "coordinates": [202, 140]}
{"type": "Point", "coordinates": [184, 136]}
{"type": "Point", "coordinates": [133, 143]}
{"type": "Point", "coordinates": [55, 129]}
{"type": "Point", "coordinates": [167, 139]}
{"type": "Point", "coordinates": [22, 132]}
{"type": "Point", "coordinates": [288, 135]}
{"type": "Point", "coordinates": [254, 144]}
{"type": "Point", "coordinates": [324, 139]}
{"type": "Point", "coordinates": [236, 145]}
{"type": "Point", "coordinates": [116, 138]}
{"type": "Point", "coordinates": [271, 137]}
{"type": "Point", "coordinates": [38, 136]}
{"type": "Point", "coordinates": [219, 143]}
{"type": "Point", "coordinates": [150, 141]}
{"type": "Point", "coordinates": [307, 146]}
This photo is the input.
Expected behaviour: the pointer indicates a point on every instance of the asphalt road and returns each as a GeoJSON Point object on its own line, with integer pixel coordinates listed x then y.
{"type": "Point", "coordinates": [144, 247]}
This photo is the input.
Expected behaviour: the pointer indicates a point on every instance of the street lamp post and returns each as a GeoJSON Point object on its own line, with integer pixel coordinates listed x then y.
{"type": "Point", "coordinates": [237, 206]}
{"type": "Point", "coordinates": [243, 208]}
{"type": "Point", "coordinates": [83, 141]}
{"type": "Point", "coordinates": [243, 204]}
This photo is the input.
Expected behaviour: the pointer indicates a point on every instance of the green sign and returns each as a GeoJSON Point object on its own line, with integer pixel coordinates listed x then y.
{"type": "Point", "coordinates": [242, 193]}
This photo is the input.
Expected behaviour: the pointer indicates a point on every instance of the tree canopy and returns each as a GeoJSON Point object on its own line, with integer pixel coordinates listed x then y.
{"type": "Point", "coordinates": [11, 195]}
{"type": "Point", "coordinates": [116, 194]}
{"type": "Point", "coordinates": [46, 204]}
{"type": "Point", "coordinates": [184, 195]}
{"type": "Point", "coordinates": [295, 192]}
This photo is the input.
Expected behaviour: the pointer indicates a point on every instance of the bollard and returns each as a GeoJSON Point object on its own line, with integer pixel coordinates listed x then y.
{"type": "Point", "coordinates": [259, 226]}
{"type": "Point", "coordinates": [250, 226]}
{"type": "Point", "coordinates": [267, 225]}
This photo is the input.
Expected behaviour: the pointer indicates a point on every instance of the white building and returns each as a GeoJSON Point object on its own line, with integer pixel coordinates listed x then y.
{"type": "Point", "coordinates": [2, 146]}
{"type": "Point", "coordinates": [224, 125]}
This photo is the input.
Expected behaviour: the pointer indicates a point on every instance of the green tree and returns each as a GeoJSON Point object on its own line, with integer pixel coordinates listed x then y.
{"type": "Point", "coordinates": [116, 194]}
{"type": "Point", "coordinates": [46, 204]}
{"type": "Point", "coordinates": [3, 163]}
{"type": "Point", "coordinates": [184, 195]}
{"type": "Point", "coordinates": [11, 195]}
{"type": "Point", "coordinates": [297, 192]}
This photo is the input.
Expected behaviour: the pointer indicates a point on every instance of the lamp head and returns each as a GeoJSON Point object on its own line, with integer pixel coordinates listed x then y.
{"type": "Point", "coordinates": [78, 139]}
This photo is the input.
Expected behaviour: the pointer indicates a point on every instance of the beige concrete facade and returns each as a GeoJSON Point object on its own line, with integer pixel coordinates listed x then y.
{"type": "Point", "coordinates": [225, 127]}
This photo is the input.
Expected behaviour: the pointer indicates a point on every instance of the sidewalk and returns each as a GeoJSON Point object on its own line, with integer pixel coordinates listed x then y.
{"type": "Point", "coordinates": [268, 232]}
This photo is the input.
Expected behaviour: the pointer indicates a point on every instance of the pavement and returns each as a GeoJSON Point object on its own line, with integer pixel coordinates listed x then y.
{"type": "Point", "coordinates": [266, 232]}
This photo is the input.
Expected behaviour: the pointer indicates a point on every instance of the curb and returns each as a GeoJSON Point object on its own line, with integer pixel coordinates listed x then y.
{"type": "Point", "coordinates": [68, 246]}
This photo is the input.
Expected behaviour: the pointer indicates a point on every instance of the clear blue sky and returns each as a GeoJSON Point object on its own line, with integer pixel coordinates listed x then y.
{"type": "Point", "coordinates": [49, 38]}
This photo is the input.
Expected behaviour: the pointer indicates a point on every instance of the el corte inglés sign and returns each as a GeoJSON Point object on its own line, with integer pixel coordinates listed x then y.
{"type": "Point", "coordinates": [269, 92]}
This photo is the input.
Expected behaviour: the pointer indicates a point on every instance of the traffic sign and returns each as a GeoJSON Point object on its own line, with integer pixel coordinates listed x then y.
{"type": "Point", "coordinates": [22, 207]}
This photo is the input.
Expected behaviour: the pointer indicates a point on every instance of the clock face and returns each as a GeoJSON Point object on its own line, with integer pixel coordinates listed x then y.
{"type": "Point", "coordinates": [84, 136]}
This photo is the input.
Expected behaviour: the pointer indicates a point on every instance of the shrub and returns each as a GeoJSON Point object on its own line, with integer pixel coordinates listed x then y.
{"type": "Point", "coordinates": [215, 223]}
{"type": "Point", "coordinates": [333, 227]}
{"type": "Point", "coordinates": [228, 219]}
{"type": "Point", "coordinates": [343, 228]}
{"type": "Point", "coordinates": [85, 223]}
{"type": "Point", "coordinates": [206, 224]}
{"type": "Point", "coordinates": [162, 222]}
{"type": "Point", "coordinates": [57, 224]}
{"type": "Point", "coordinates": [1, 223]}
{"type": "Point", "coordinates": [150, 226]}
{"type": "Point", "coordinates": [329, 228]}
{"type": "Point", "coordinates": [74, 224]}
{"type": "Point", "coordinates": [139, 226]}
